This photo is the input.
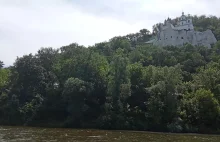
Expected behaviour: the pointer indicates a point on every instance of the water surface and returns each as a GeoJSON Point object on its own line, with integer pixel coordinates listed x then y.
{"type": "Point", "coordinates": [30, 134]}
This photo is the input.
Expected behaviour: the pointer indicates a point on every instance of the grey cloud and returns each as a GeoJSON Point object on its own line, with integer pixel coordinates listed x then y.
{"type": "Point", "coordinates": [120, 9]}
{"type": "Point", "coordinates": [132, 11]}
{"type": "Point", "coordinates": [113, 7]}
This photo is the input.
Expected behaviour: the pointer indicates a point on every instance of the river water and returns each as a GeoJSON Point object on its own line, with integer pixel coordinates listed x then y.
{"type": "Point", "coordinates": [30, 134]}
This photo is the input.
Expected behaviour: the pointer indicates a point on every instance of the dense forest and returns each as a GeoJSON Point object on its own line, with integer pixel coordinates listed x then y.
{"type": "Point", "coordinates": [119, 84]}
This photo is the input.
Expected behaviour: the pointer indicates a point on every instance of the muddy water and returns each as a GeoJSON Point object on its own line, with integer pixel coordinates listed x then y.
{"type": "Point", "coordinates": [30, 134]}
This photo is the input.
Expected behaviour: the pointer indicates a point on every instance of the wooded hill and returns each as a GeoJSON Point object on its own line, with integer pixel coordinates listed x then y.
{"type": "Point", "coordinates": [112, 85]}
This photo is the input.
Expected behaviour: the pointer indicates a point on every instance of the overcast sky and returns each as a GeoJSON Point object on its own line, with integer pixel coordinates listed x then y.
{"type": "Point", "coordinates": [28, 25]}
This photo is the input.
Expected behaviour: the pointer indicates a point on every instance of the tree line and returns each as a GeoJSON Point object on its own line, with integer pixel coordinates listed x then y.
{"type": "Point", "coordinates": [113, 85]}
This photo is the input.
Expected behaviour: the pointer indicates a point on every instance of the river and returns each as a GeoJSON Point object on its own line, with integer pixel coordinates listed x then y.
{"type": "Point", "coordinates": [32, 134]}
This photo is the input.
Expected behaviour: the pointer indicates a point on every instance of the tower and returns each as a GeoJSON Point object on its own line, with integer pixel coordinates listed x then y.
{"type": "Point", "coordinates": [184, 23]}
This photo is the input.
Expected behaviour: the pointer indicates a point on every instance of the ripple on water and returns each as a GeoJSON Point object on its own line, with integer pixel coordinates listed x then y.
{"type": "Point", "coordinates": [26, 134]}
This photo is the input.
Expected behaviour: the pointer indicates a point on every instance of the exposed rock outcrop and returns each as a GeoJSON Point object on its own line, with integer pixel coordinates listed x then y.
{"type": "Point", "coordinates": [179, 38]}
{"type": "Point", "coordinates": [184, 32]}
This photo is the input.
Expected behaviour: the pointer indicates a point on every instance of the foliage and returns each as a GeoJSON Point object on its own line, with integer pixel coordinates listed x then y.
{"type": "Point", "coordinates": [201, 109]}
{"type": "Point", "coordinates": [4, 77]}
{"type": "Point", "coordinates": [1, 64]}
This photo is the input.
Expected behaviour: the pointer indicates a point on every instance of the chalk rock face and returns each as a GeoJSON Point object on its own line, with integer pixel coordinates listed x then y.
{"type": "Point", "coordinates": [183, 32]}
{"type": "Point", "coordinates": [205, 38]}
{"type": "Point", "coordinates": [171, 37]}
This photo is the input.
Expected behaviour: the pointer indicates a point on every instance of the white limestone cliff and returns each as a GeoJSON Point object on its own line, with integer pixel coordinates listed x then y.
{"type": "Point", "coordinates": [184, 32]}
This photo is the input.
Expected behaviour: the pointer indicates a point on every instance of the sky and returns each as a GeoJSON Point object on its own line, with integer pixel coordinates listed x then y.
{"type": "Point", "coordinates": [28, 25]}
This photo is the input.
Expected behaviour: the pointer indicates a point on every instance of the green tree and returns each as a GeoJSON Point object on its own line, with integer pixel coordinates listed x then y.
{"type": "Point", "coordinates": [118, 76]}
{"type": "Point", "coordinates": [201, 110]}
{"type": "Point", "coordinates": [208, 77]}
{"type": "Point", "coordinates": [4, 77]}
{"type": "Point", "coordinates": [1, 64]}
{"type": "Point", "coordinates": [47, 57]}
{"type": "Point", "coordinates": [74, 93]}
{"type": "Point", "coordinates": [145, 34]}
{"type": "Point", "coordinates": [138, 84]}
{"type": "Point", "coordinates": [164, 85]}
{"type": "Point", "coordinates": [30, 78]}
{"type": "Point", "coordinates": [118, 92]}
{"type": "Point", "coordinates": [120, 42]}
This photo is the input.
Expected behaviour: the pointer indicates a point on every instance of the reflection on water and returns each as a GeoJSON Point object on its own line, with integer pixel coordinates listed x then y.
{"type": "Point", "coordinates": [29, 134]}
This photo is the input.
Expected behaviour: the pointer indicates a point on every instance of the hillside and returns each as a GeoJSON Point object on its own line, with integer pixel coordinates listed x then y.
{"type": "Point", "coordinates": [119, 84]}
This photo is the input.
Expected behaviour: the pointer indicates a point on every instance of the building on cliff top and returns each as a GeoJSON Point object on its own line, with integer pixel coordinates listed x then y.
{"type": "Point", "coordinates": [183, 32]}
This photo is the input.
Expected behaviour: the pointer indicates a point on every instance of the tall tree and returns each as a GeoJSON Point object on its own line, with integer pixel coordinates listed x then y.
{"type": "Point", "coordinates": [4, 77]}
{"type": "Point", "coordinates": [201, 109]}
{"type": "Point", "coordinates": [74, 93]}
{"type": "Point", "coordinates": [1, 64]}
{"type": "Point", "coordinates": [118, 76]}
